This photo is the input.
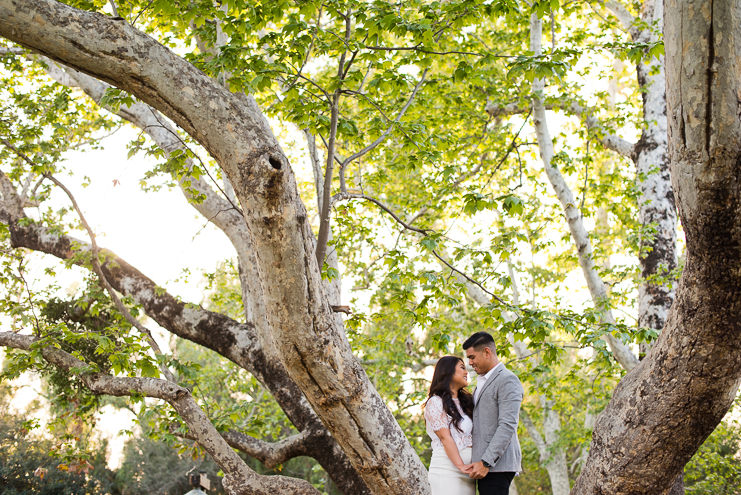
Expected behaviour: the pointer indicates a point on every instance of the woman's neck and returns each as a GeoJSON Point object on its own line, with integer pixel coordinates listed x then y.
{"type": "Point", "coordinates": [454, 392]}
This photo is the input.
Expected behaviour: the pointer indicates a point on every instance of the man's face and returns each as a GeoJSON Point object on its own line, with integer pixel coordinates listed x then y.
{"type": "Point", "coordinates": [479, 360]}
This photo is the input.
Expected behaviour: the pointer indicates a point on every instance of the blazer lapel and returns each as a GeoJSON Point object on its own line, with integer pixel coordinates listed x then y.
{"type": "Point", "coordinates": [486, 385]}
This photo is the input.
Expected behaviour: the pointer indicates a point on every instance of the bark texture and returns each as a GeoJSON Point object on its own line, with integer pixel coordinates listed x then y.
{"type": "Point", "coordinates": [664, 409]}
{"type": "Point", "coordinates": [300, 322]}
{"type": "Point", "coordinates": [236, 341]}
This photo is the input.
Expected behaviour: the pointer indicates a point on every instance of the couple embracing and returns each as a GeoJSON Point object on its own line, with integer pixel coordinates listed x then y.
{"type": "Point", "coordinates": [474, 436]}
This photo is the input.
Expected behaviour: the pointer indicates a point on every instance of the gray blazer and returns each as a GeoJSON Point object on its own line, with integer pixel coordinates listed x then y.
{"type": "Point", "coordinates": [495, 419]}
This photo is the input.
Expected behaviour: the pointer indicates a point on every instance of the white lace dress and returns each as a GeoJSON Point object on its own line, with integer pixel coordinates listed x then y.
{"type": "Point", "coordinates": [445, 478]}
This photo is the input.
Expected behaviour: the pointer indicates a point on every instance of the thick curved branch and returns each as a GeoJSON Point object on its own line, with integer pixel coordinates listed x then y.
{"type": "Point", "coordinates": [219, 210]}
{"type": "Point", "coordinates": [237, 474]}
{"type": "Point", "coordinates": [235, 341]}
{"type": "Point", "coordinates": [270, 454]}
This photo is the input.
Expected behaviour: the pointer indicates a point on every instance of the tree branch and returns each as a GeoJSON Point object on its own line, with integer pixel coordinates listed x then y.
{"type": "Point", "coordinates": [609, 140]}
{"type": "Point", "coordinates": [380, 139]}
{"type": "Point", "coordinates": [534, 434]}
{"type": "Point", "coordinates": [623, 15]}
{"type": "Point", "coordinates": [573, 217]}
{"type": "Point", "coordinates": [269, 454]}
{"type": "Point", "coordinates": [238, 476]}
{"type": "Point", "coordinates": [343, 196]}
{"type": "Point", "coordinates": [5, 50]}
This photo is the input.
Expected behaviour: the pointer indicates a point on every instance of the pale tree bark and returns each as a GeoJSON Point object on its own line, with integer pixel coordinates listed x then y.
{"type": "Point", "coordinates": [657, 208]}
{"type": "Point", "coordinates": [300, 322]}
{"type": "Point", "coordinates": [552, 457]}
{"type": "Point", "coordinates": [239, 479]}
{"type": "Point", "coordinates": [224, 214]}
{"type": "Point", "coordinates": [664, 409]}
{"type": "Point", "coordinates": [622, 352]}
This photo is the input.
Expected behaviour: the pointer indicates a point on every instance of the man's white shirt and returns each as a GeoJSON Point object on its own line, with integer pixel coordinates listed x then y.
{"type": "Point", "coordinates": [481, 380]}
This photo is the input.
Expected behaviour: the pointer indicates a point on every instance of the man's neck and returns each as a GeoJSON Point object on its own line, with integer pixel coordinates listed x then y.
{"type": "Point", "coordinates": [496, 363]}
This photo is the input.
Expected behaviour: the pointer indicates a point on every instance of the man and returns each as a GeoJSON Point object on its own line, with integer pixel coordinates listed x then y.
{"type": "Point", "coordinates": [496, 454]}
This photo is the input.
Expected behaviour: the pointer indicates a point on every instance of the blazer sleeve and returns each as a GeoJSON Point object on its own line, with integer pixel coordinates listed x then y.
{"type": "Point", "coordinates": [509, 401]}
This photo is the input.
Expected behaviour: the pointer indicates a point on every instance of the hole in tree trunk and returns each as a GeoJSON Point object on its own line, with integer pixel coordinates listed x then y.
{"type": "Point", "coordinates": [275, 162]}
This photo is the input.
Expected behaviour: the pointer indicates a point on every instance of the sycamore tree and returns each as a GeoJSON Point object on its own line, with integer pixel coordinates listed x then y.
{"type": "Point", "coordinates": [440, 191]}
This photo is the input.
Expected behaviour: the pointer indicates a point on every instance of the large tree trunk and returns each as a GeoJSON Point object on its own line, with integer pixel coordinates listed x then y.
{"type": "Point", "coordinates": [302, 327]}
{"type": "Point", "coordinates": [664, 409]}
{"type": "Point", "coordinates": [235, 341]}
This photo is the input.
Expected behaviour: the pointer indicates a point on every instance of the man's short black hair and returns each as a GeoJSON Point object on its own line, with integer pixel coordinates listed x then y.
{"type": "Point", "coordinates": [479, 340]}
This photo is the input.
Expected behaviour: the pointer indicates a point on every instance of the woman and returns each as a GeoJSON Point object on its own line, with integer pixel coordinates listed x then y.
{"type": "Point", "coordinates": [448, 413]}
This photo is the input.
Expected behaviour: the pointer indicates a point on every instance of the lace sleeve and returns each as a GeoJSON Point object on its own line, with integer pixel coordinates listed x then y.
{"type": "Point", "coordinates": [435, 416]}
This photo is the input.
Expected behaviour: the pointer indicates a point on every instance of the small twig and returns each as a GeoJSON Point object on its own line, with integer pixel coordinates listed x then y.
{"type": "Point", "coordinates": [141, 12]}
{"type": "Point", "coordinates": [113, 6]}
{"type": "Point", "coordinates": [350, 195]}
{"type": "Point", "coordinates": [509, 150]}
{"type": "Point", "coordinates": [28, 293]}
{"type": "Point", "coordinates": [416, 48]}
{"type": "Point", "coordinates": [99, 271]}
{"type": "Point", "coordinates": [493, 296]}
{"type": "Point", "coordinates": [203, 165]}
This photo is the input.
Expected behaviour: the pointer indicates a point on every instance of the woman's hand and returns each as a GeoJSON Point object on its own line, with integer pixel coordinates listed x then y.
{"type": "Point", "coordinates": [465, 468]}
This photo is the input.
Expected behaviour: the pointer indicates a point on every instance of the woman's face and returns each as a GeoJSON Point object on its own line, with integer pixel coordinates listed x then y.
{"type": "Point", "coordinates": [460, 377]}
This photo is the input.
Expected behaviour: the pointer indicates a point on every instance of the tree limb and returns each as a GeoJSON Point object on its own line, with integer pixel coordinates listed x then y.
{"type": "Point", "coordinates": [269, 454]}
{"type": "Point", "coordinates": [385, 133]}
{"type": "Point", "coordinates": [609, 140]}
{"type": "Point", "coordinates": [623, 15]}
{"type": "Point", "coordinates": [532, 430]}
{"type": "Point", "coordinates": [238, 476]}
{"type": "Point", "coordinates": [573, 216]}
{"type": "Point", "coordinates": [343, 196]}
{"type": "Point", "coordinates": [11, 50]}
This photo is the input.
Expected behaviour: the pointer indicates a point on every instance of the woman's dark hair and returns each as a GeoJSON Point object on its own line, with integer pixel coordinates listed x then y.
{"type": "Point", "coordinates": [440, 386]}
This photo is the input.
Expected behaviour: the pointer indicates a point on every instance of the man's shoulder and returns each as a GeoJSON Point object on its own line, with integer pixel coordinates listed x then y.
{"type": "Point", "coordinates": [507, 377]}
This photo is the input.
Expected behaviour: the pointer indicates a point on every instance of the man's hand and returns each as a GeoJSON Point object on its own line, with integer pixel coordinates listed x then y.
{"type": "Point", "coordinates": [464, 468]}
{"type": "Point", "coordinates": [478, 470]}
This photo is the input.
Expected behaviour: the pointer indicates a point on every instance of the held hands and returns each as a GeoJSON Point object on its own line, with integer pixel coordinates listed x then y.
{"type": "Point", "coordinates": [464, 468]}
{"type": "Point", "coordinates": [478, 470]}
